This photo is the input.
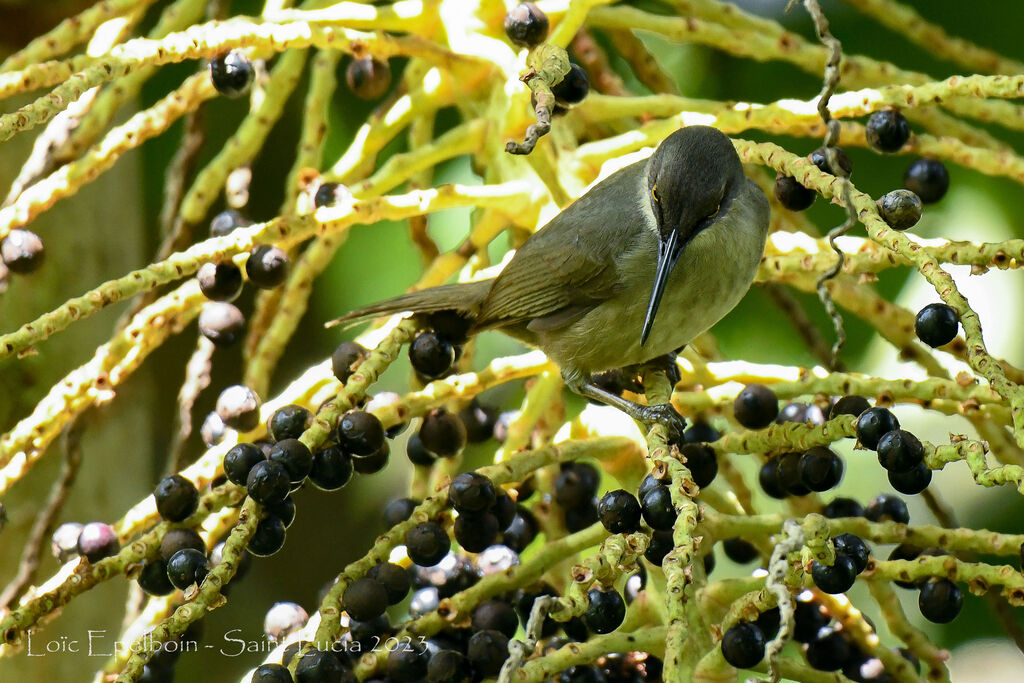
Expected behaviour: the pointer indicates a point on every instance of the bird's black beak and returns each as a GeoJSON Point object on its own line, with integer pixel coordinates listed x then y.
{"type": "Point", "coordinates": [669, 250]}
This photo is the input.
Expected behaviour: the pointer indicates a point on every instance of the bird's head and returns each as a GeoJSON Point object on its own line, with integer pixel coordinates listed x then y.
{"type": "Point", "coordinates": [691, 180]}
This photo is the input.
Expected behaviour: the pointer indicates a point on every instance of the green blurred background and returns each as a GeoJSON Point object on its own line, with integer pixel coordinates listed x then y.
{"type": "Point", "coordinates": [110, 228]}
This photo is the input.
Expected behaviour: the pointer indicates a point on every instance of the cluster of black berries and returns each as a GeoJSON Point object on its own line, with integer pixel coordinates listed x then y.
{"type": "Point", "coordinates": [851, 558]}
{"type": "Point", "coordinates": [266, 267]}
{"type": "Point", "coordinates": [484, 511]}
{"type": "Point", "coordinates": [576, 491]}
{"type": "Point", "coordinates": [794, 196]}
{"type": "Point", "coordinates": [899, 451]}
{"type": "Point", "coordinates": [939, 599]}
{"type": "Point", "coordinates": [797, 474]}
{"type": "Point", "coordinates": [527, 26]}
{"type": "Point", "coordinates": [435, 350]}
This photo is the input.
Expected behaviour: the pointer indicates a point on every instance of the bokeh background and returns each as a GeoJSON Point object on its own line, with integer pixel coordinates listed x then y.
{"type": "Point", "coordinates": [110, 228]}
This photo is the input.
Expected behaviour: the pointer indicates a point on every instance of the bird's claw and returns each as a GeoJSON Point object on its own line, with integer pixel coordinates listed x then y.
{"type": "Point", "coordinates": [665, 414]}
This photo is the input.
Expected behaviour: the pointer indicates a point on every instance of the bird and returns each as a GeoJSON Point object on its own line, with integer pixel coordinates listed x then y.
{"type": "Point", "coordinates": [680, 233]}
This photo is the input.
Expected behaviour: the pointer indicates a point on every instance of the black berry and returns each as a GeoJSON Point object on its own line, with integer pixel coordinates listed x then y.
{"type": "Point", "coordinates": [239, 460]}
{"type": "Point", "coordinates": [837, 578]}
{"type": "Point", "coordinates": [899, 451]}
{"type": "Point", "coordinates": [821, 469]}
{"type": "Point", "coordinates": [843, 507]}
{"type": "Point", "coordinates": [153, 578]}
{"type": "Point", "coordinates": [231, 74]}
{"type": "Point", "coordinates": [808, 620]}
{"type": "Point", "coordinates": [526, 25]}
{"type": "Point", "coordinates": [619, 512]}
{"type": "Point", "coordinates": [22, 251]}
{"type": "Point", "coordinates": [220, 281]}
{"type": "Point", "coordinates": [360, 433]}
{"type": "Point", "coordinates": [581, 516]}
{"type": "Point", "coordinates": [479, 421]}
{"type": "Point", "coordinates": [768, 477]}
{"type": "Point", "coordinates": [573, 87]}
{"type": "Point", "coordinates": [431, 355]}
{"type": "Point", "coordinates": [375, 462]}
{"type": "Point", "coordinates": [743, 645]}
{"type": "Point", "coordinates": [496, 615]}
{"type": "Point", "coordinates": [365, 599]}
{"type": "Point", "coordinates": [702, 462]}
{"type": "Point", "coordinates": [657, 508]}
{"type": "Point", "coordinates": [756, 406]}
{"type": "Point", "coordinates": [448, 666]}
{"type": "Point", "coordinates": [576, 484]}
{"type": "Point", "coordinates": [187, 567]}
{"type": "Point", "coordinates": [318, 666]}
{"type": "Point", "coordinates": [913, 481]}
{"type": "Point", "coordinates": [395, 579]}
{"type": "Point", "coordinates": [268, 482]}
{"type": "Point", "coordinates": [740, 551]}
{"type": "Point", "coordinates": [661, 545]}
{"type": "Point", "coordinates": [294, 456]}
{"type": "Point", "coordinates": [472, 492]}
{"type": "Point", "coordinates": [427, 544]}
{"type": "Point", "coordinates": [226, 221]}
{"type": "Point", "coordinates": [398, 511]}
{"type": "Point", "coordinates": [368, 78]}
{"type": "Point", "coordinates": [936, 324]}
{"type": "Point", "coordinates": [873, 424]}
{"type": "Point", "coordinates": [267, 266]}
{"type": "Point", "coordinates": [853, 547]}
{"type": "Point", "coordinates": [487, 651]}
{"type": "Point", "coordinates": [271, 673]}
{"type": "Point", "coordinates": [887, 131]}
{"type": "Point", "coordinates": [346, 358]}
{"type": "Point", "coordinates": [332, 468]}
{"type": "Point", "coordinates": [285, 511]}
{"type": "Point", "coordinates": [327, 194]}
{"type": "Point", "coordinates": [886, 508]}
{"type": "Point", "coordinates": [521, 532]}
{"type": "Point", "coordinates": [769, 622]}
{"type": "Point", "coordinates": [179, 539]}
{"type": "Point", "coordinates": [239, 407]}
{"type": "Point", "coordinates": [269, 537]}
{"type": "Point", "coordinates": [700, 432]}
{"type": "Point", "coordinates": [789, 474]}
{"type": "Point", "coordinates": [408, 664]}
{"type": "Point", "coordinates": [443, 433]}
{"type": "Point", "coordinates": [829, 652]}
{"type": "Point", "coordinates": [940, 601]}
{"type": "Point", "coordinates": [97, 541]}
{"type": "Point", "coordinates": [288, 422]}
{"type": "Point", "coordinates": [791, 194]}
{"type": "Point", "coordinates": [476, 531]}
{"type": "Point", "coordinates": [819, 158]}
{"type": "Point", "coordinates": [849, 405]}
{"type": "Point", "coordinates": [605, 612]}
{"type": "Point", "coordinates": [928, 179]}
{"type": "Point", "coordinates": [222, 323]}
{"type": "Point", "coordinates": [176, 498]}
{"type": "Point", "coordinates": [900, 209]}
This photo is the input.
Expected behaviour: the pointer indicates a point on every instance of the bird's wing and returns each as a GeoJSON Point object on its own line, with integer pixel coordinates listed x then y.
{"type": "Point", "coordinates": [569, 265]}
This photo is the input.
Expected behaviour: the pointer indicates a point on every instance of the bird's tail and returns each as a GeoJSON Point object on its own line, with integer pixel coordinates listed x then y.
{"type": "Point", "coordinates": [464, 298]}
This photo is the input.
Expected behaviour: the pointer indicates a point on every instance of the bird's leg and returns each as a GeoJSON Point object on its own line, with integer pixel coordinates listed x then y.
{"type": "Point", "coordinates": [663, 413]}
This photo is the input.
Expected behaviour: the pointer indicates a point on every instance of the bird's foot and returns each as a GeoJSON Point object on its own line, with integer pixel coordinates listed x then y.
{"type": "Point", "coordinates": [666, 415]}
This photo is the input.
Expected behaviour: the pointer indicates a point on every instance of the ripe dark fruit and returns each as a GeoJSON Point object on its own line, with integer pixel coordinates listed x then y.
{"type": "Point", "coordinates": [582, 516]}
{"type": "Point", "coordinates": [373, 463]}
{"type": "Point", "coordinates": [657, 508]}
{"type": "Point", "coordinates": [791, 194]}
{"type": "Point", "coordinates": [700, 432]}
{"type": "Point", "coordinates": [153, 578]}
{"type": "Point", "coordinates": [271, 673]}
{"type": "Point", "coordinates": [497, 615]}
{"type": "Point", "coordinates": [231, 74]}
{"type": "Point", "coordinates": [472, 492]}
{"type": "Point", "coordinates": [448, 666]}
{"type": "Point", "coordinates": [606, 611]}
{"type": "Point", "coordinates": [843, 507]}
{"type": "Point", "coordinates": [521, 532]}
{"type": "Point", "coordinates": [849, 405]}
{"type": "Point", "coordinates": [240, 460]}
{"type": "Point", "coordinates": [829, 652]}
{"type": "Point", "coordinates": [740, 551]}
{"type": "Point", "coordinates": [702, 462]}
{"type": "Point", "coordinates": [905, 551]}
{"type": "Point", "coordinates": [221, 323]}
{"type": "Point", "coordinates": [187, 567]}
{"type": "Point", "coordinates": [789, 474]}
{"type": "Point", "coordinates": [838, 578]}
{"type": "Point", "coordinates": [294, 456]}
{"type": "Point", "coordinates": [573, 87]}
{"type": "Point", "coordinates": [885, 508]}
{"type": "Point", "coordinates": [940, 601]}
{"type": "Point", "coordinates": [443, 433]}
{"type": "Point", "coordinates": [808, 621]}
{"type": "Point", "coordinates": [487, 651]}
{"type": "Point", "coordinates": [327, 194]}
{"type": "Point", "coordinates": [431, 355]}
{"type": "Point", "coordinates": [288, 422]}
{"type": "Point", "coordinates": [346, 358]}
{"type": "Point", "coordinates": [887, 131]}
{"type": "Point", "coordinates": [220, 281]}
{"type": "Point", "coordinates": [660, 546]}
{"type": "Point", "coordinates": [418, 453]}
{"type": "Point", "coordinates": [427, 544]}
{"type": "Point", "coordinates": [619, 512]}
{"type": "Point", "coordinates": [268, 482]}
{"type": "Point", "coordinates": [928, 179]}
{"type": "Point", "coordinates": [873, 424]}
{"type": "Point", "coordinates": [22, 251]}
{"type": "Point", "coordinates": [479, 421]}
{"type": "Point", "coordinates": [318, 666]}
{"type": "Point", "coordinates": [97, 541]}
{"type": "Point", "coordinates": [285, 511]}
{"type": "Point", "coordinates": [239, 407]}
{"type": "Point", "coordinates": [526, 25]}
{"type": "Point", "coordinates": [819, 158]}
{"type": "Point", "coordinates": [913, 481]}
{"type": "Point", "coordinates": [768, 477]}
{"type": "Point", "coordinates": [853, 547]}
{"type": "Point", "coordinates": [368, 78]}
{"type": "Point", "coordinates": [504, 509]}
{"type": "Point", "coordinates": [476, 531]}
{"type": "Point", "coordinates": [332, 468]}
{"type": "Point", "coordinates": [936, 324]}
{"type": "Point", "coordinates": [769, 622]}
{"type": "Point", "coordinates": [900, 209]}
{"type": "Point", "coordinates": [226, 221]}
{"type": "Point", "coordinates": [408, 664]}
{"type": "Point", "coordinates": [899, 451]}
{"type": "Point", "coordinates": [576, 484]}
{"type": "Point", "coordinates": [756, 406]}
{"type": "Point", "coordinates": [743, 645]}
{"type": "Point", "coordinates": [395, 579]}
{"type": "Point", "coordinates": [360, 433]}
{"type": "Point", "coordinates": [365, 599]}
{"type": "Point", "coordinates": [269, 537]}
{"type": "Point", "coordinates": [176, 498]}
{"type": "Point", "coordinates": [821, 469]}
{"type": "Point", "coordinates": [267, 266]}
{"type": "Point", "coordinates": [398, 511]}
{"type": "Point", "coordinates": [179, 539]}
